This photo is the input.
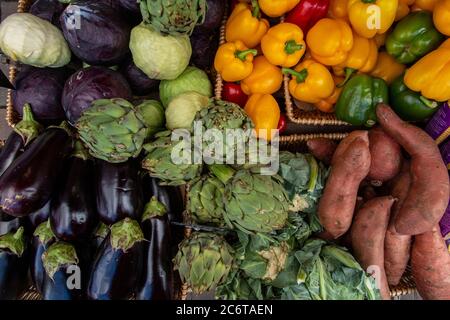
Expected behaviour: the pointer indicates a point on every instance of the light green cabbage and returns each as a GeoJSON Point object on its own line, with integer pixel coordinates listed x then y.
{"type": "Point", "coordinates": [33, 41]}
{"type": "Point", "coordinates": [182, 109]}
{"type": "Point", "coordinates": [192, 79]}
{"type": "Point", "coordinates": [155, 119]}
{"type": "Point", "coordinates": [161, 57]}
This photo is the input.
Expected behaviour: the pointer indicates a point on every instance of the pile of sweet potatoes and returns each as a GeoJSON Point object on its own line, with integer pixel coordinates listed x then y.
{"type": "Point", "coordinates": [387, 191]}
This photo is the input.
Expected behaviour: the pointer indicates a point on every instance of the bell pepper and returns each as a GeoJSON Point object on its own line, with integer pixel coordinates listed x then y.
{"type": "Point", "coordinates": [234, 61]}
{"type": "Point", "coordinates": [264, 111]}
{"type": "Point", "coordinates": [368, 20]}
{"type": "Point", "coordinates": [327, 105]}
{"type": "Point", "coordinates": [403, 9]}
{"type": "Point", "coordinates": [330, 41]}
{"type": "Point", "coordinates": [413, 37]}
{"type": "Point", "coordinates": [408, 104]}
{"type": "Point", "coordinates": [276, 8]}
{"type": "Point", "coordinates": [338, 9]}
{"type": "Point", "coordinates": [359, 98]}
{"type": "Point", "coordinates": [245, 24]}
{"type": "Point", "coordinates": [425, 4]}
{"type": "Point", "coordinates": [232, 92]}
{"type": "Point", "coordinates": [387, 68]}
{"type": "Point", "coordinates": [362, 57]}
{"type": "Point", "coordinates": [307, 13]}
{"type": "Point", "coordinates": [431, 74]}
{"type": "Point", "coordinates": [265, 78]}
{"type": "Point", "coordinates": [380, 39]}
{"type": "Point", "coordinates": [311, 82]}
{"type": "Point", "coordinates": [441, 17]}
{"type": "Point", "coordinates": [283, 45]}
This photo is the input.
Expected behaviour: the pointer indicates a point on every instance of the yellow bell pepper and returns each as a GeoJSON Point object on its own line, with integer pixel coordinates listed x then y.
{"type": "Point", "coordinates": [283, 45]}
{"type": "Point", "coordinates": [387, 68]}
{"type": "Point", "coordinates": [264, 111]}
{"type": "Point", "coordinates": [234, 61]}
{"type": "Point", "coordinates": [265, 78]}
{"type": "Point", "coordinates": [338, 9]}
{"type": "Point", "coordinates": [380, 39]}
{"type": "Point", "coordinates": [441, 17]}
{"type": "Point", "coordinates": [276, 8]}
{"type": "Point", "coordinates": [369, 17]}
{"type": "Point", "coordinates": [403, 9]}
{"type": "Point", "coordinates": [327, 105]}
{"type": "Point", "coordinates": [431, 74]}
{"type": "Point", "coordinates": [246, 25]}
{"type": "Point", "coordinates": [311, 82]}
{"type": "Point", "coordinates": [363, 58]}
{"type": "Point", "coordinates": [330, 41]}
{"type": "Point", "coordinates": [425, 4]}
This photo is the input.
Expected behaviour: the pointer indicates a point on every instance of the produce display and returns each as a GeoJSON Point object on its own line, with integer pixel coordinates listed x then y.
{"type": "Point", "coordinates": [125, 173]}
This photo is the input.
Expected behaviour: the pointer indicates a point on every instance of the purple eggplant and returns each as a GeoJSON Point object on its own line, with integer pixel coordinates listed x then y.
{"type": "Point", "coordinates": [8, 223]}
{"type": "Point", "coordinates": [39, 216]}
{"type": "Point", "coordinates": [29, 181]}
{"type": "Point", "coordinates": [42, 238]}
{"type": "Point", "coordinates": [96, 32]}
{"type": "Point", "coordinates": [90, 84]}
{"type": "Point", "coordinates": [12, 149]}
{"type": "Point", "coordinates": [73, 215]}
{"type": "Point", "coordinates": [140, 84]}
{"type": "Point", "coordinates": [49, 10]}
{"type": "Point", "coordinates": [169, 196]}
{"type": "Point", "coordinates": [204, 47]}
{"type": "Point", "coordinates": [118, 263]}
{"type": "Point", "coordinates": [100, 234]}
{"type": "Point", "coordinates": [118, 191]}
{"type": "Point", "coordinates": [214, 16]}
{"type": "Point", "coordinates": [13, 265]}
{"type": "Point", "coordinates": [156, 281]}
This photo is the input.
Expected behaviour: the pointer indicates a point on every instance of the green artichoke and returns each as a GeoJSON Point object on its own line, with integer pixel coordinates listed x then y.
{"type": "Point", "coordinates": [160, 164]}
{"type": "Point", "coordinates": [204, 261]}
{"type": "Point", "coordinates": [173, 17]}
{"type": "Point", "coordinates": [114, 130]}
{"type": "Point", "coordinates": [204, 200]}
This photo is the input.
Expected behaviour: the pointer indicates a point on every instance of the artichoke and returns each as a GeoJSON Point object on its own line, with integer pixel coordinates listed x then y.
{"type": "Point", "coordinates": [204, 200]}
{"type": "Point", "coordinates": [173, 17]}
{"type": "Point", "coordinates": [114, 130]}
{"type": "Point", "coordinates": [204, 261]}
{"type": "Point", "coordinates": [160, 160]}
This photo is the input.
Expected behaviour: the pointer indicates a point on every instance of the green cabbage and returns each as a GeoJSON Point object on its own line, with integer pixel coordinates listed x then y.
{"type": "Point", "coordinates": [182, 109]}
{"type": "Point", "coordinates": [161, 57]}
{"type": "Point", "coordinates": [192, 79]}
{"type": "Point", "coordinates": [154, 120]}
{"type": "Point", "coordinates": [33, 41]}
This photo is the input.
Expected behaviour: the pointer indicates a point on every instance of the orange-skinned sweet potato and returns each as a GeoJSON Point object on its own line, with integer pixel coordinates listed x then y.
{"type": "Point", "coordinates": [347, 141]}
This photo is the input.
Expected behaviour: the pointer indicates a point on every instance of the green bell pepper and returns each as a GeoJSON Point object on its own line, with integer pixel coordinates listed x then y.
{"type": "Point", "coordinates": [408, 104]}
{"type": "Point", "coordinates": [359, 99]}
{"type": "Point", "coordinates": [413, 37]}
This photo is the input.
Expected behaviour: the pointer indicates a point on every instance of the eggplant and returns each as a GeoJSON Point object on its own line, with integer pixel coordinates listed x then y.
{"type": "Point", "coordinates": [156, 281]}
{"type": "Point", "coordinates": [29, 181]}
{"type": "Point", "coordinates": [39, 216]}
{"type": "Point", "coordinates": [100, 234]}
{"type": "Point", "coordinates": [214, 16]}
{"type": "Point", "coordinates": [140, 83]}
{"type": "Point", "coordinates": [42, 238]}
{"type": "Point", "coordinates": [13, 265]}
{"type": "Point", "coordinates": [8, 223]}
{"type": "Point", "coordinates": [73, 214]}
{"type": "Point", "coordinates": [118, 263]}
{"type": "Point", "coordinates": [11, 150]}
{"type": "Point", "coordinates": [49, 10]}
{"type": "Point", "coordinates": [204, 47]}
{"type": "Point", "coordinates": [169, 196]}
{"type": "Point", "coordinates": [118, 191]}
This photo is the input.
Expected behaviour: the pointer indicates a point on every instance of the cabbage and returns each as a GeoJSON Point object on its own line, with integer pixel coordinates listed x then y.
{"type": "Point", "coordinates": [33, 41]}
{"type": "Point", "coordinates": [182, 109]}
{"type": "Point", "coordinates": [161, 57]}
{"type": "Point", "coordinates": [155, 123]}
{"type": "Point", "coordinates": [192, 79]}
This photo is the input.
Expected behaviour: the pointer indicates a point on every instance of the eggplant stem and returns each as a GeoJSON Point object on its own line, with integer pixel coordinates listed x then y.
{"type": "Point", "coordinates": [28, 128]}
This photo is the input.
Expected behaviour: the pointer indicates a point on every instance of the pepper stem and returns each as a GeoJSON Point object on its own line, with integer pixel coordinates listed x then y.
{"type": "Point", "coordinates": [243, 54]}
{"type": "Point", "coordinates": [369, 1]}
{"type": "Point", "coordinates": [222, 172]}
{"type": "Point", "coordinates": [299, 75]}
{"type": "Point", "coordinates": [348, 74]}
{"type": "Point", "coordinates": [28, 128]}
{"type": "Point", "coordinates": [256, 12]}
{"type": "Point", "coordinates": [292, 47]}
{"type": "Point", "coordinates": [430, 104]}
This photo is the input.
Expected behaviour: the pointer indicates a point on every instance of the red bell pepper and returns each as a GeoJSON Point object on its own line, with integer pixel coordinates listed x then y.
{"type": "Point", "coordinates": [307, 13]}
{"type": "Point", "coordinates": [232, 92]}
{"type": "Point", "coordinates": [282, 124]}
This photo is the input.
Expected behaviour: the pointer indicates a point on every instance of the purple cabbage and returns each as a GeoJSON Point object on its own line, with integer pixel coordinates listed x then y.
{"type": "Point", "coordinates": [49, 10]}
{"type": "Point", "coordinates": [214, 15]}
{"type": "Point", "coordinates": [91, 84]}
{"type": "Point", "coordinates": [96, 32]}
{"type": "Point", "coordinates": [204, 47]}
{"type": "Point", "coordinates": [140, 83]}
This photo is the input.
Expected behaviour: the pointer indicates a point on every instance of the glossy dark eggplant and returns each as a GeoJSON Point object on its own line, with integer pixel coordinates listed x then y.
{"type": "Point", "coordinates": [49, 10]}
{"type": "Point", "coordinates": [11, 150]}
{"type": "Point", "coordinates": [39, 216]}
{"type": "Point", "coordinates": [156, 281]}
{"type": "Point", "coordinates": [169, 196]}
{"type": "Point", "coordinates": [73, 214]}
{"type": "Point", "coordinates": [118, 191]}
{"type": "Point", "coordinates": [42, 238]}
{"type": "Point", "coordinates": [100, 234]}
{"type": "Point", "coordinates": [8, 223]}
{"type": "Point", "coordinates": [29, 181]}
{"type": "Point", "coordinates": [139, 82]}
{"type": "Point", "coordinates": [118, 263]}
{"type": "Point", "coordinates": [13, 265]}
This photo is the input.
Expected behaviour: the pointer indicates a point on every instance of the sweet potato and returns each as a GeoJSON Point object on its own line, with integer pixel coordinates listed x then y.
{"type": "Point", "coordinates": [397, 247]}
{"type": "Point", "coordinates": [430, 262]}
{"type": "Point", "coordinates": [428, 194]}
{"type": "Point", "coordinates": [386, 156]}
{"type": "Point", "coordinates": [367, 234]}
{"type": "Point", "coordinates": [368, 192]}
{"type": "Point", "coordinates": [338, 201]}
{"type": "Point", "coordinates": [347, 141]}
{"type": "Point", "coordinates": [322, 149]}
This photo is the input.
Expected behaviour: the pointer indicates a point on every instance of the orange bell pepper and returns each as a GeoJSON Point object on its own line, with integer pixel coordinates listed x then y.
{"type": "Point", "coordinates": [441, 17]}
{"type": "Point", "coordinates": [234, 61]}
{"type": "Point", "coordinates": [283, 45]}
{"type": "Point", "coordinates": [387, 68]}
{"type": "Point", "coordinates": [327, 105]}
{"type": "Point", "coordinates": [276, 8]}
{"type": "Point", "coordinates": [403, 9]}
{"type": "Point", "coordinates": [265, 113]}
{"type": "Point", "coordinates": [425, 4]}
{"type": "Point", "coordinates": [338, 9]}
{"type": "Point", "coordinates": [330, 41]}
{"type": "Point", "coordinates": [265, 78]}
{"type": "Point", "coordinates": [245, 24]}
